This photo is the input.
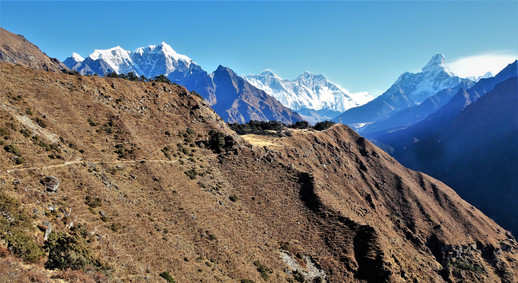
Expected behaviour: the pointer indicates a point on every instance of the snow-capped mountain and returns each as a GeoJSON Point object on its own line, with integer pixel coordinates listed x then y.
{"type": "Point", "coordinates": [409, 90]}
{"type": "Point", "coordinates": [484, 76]}
{"type": "Point", "coordinates": [148, 61]}
{"type": "Point", "coordinates": [232, 97]}
{"type": "Point", "coordinates": [73, 61]}
{"type": "Point", "coordinates": [309, 92]}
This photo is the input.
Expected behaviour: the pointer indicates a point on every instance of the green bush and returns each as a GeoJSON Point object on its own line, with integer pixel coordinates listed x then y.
{"type": "Point", "coordinates": [167, 277]}
{"type": "Point", "coordinates": [41, 122]}
{"type": "Point", "coordinates": [216, 140]}
{"type": "Point", "coordinates": [161, 78]}
{"type": "Point", "coordinates": [4, 132]}
{"type": "Point", "coordinates": [263, 269]}
{"type": "Point", "coordinates": [26, 133]}
{"type": "Point", "coordinates": [69, 251]}
{"type": "Point", "coordinates": [19, 160]}
{"type": "Point", "coordinates": [191, 173]}
{"type": "Point", "coordinates": [320, 126]}
{"type": "Point", "coordinates": [93, 202]}
{"type": "Point", "coordinates": [12, 149]}
{"type": "Point", "coordinates": [300, 125]}
{"type": "Point", "coordinates": [16, 228]}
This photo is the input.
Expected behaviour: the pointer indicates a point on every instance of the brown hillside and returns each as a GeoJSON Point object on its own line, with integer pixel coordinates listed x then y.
{"type": "Point", "coordinates": [151, 180]}
{"type": "Point", "coordinates": [16, 49]}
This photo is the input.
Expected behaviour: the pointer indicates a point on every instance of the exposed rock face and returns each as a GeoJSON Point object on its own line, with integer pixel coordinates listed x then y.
{"type": "Point", "coordinates": [18, 50]}
{"type": "Point", "coordinates": [51, 184]}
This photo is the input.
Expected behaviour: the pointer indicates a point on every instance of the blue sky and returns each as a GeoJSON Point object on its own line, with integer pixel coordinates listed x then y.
{"type": "Point", "coordinates": [362, 46]}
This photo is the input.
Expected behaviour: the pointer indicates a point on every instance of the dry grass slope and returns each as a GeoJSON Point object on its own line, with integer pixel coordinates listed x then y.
{"type": "Point", "coordinates": [151, 180]}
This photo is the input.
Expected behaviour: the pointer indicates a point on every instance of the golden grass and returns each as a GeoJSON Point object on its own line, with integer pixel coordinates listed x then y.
{"type": "Point", "coordinates": [258, 140]}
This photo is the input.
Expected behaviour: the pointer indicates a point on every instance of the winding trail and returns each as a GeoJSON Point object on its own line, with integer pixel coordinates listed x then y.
{"type": "Point", "coordinates": [81, 161]}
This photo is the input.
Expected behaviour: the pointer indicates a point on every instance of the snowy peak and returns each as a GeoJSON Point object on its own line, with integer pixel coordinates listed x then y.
{"type": "Point", "coordinates": [76, 57]}
{"type": "Point", "coordinates": [437, 64]}
{"type": "Point", "coordinates": [115, 53]}
{"type": "Point", "coordinates": [308, 92]}
{"type": "Point", "coordinates": [267, 73]}
{"type": "Point", "coordinates": [307, 76]}
{"type": "Point", "coordinates": [150, 61]}
{"type": "Point", "coordinates": [73, 61]}
{"type": "Point", "coordinates": [164, 49]}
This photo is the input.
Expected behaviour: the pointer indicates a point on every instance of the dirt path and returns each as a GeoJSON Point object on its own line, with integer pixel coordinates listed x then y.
{"type": "Point", "coordinates": [84, 162]}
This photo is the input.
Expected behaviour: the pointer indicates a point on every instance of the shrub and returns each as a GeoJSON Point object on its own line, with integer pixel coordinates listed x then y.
{"type": "Point", "coordinates": [16, 228]}
{"type": "Point", "coordinates": [191, 173]}
{"type": "Point", "coordinates": [162, 78]}
{"type": "Point", "coordinates": [166, 151]}
{"type": "Point", "coordinates": [299, 277]}
{"type": "Point", "coordinates": [41, 122]}
{"type": "Point", "coordinates": [92, 202]}
{"type": "Point", "coordinates": [4, 132]}
{"type": "Point", "coordinates": [69, 251]}
{"type": "Point", "coordinates": [19, 160]}
{"type": "Point", "coordinates": [92, 122]}
{"type": "Point", "coordinates": [247, 281]}
{"type": "Point", "coordinates": [465, 266]}
{"type": "Point", "coordinates": [26, 133]}
{"type": "Point", "coordinates": [167, 277]}
{"type": "Point", "coordinates": [300, 125]}
{"type": "Point", "coordinates": [12, 149]}
{"type": "Point", "coordinates": [216, 140]}
{"type": "Point", "coordinates": [320, 126]}
{"type": "Point", "coordinates": [264, 270]}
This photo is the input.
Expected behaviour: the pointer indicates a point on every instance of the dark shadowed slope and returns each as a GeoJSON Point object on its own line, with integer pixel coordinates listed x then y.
{"type": "Point", "coordinates": [477, 154]}
{"type": "Point", "coordinates": [239, 101]}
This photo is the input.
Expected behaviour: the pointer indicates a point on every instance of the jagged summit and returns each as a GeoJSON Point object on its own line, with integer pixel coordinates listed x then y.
{"type": "Point", "coordinates": [437, 64]}
{"type": "Point", "coordinates": [409, 90]}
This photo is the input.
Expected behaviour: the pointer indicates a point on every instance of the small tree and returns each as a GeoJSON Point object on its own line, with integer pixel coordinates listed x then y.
{"type": "Point", "coordinates": [162, 78]}
{"type": "Point", "coordinates": [112, 75]}
{"type": "Point", "coordinates": [320, 126]}
{"type": "Point", "coordinates": [300, 125]}
{"type": "Point", "coordinates": [132, 77]}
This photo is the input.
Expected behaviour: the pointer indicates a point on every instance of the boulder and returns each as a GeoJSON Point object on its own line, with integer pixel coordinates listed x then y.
{"type": "Point", "coordinates": [51, 184]}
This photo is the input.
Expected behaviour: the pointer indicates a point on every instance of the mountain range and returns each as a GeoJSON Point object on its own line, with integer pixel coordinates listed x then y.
{"type": "Point", "coordinates": [471, 144]}
{"type": "Point", "coordinates": [234, 99]}
{"type": "Point", "coordinates": [410, 90]}
{"type": "Point", "coordinates": [109, 180]}
{"type": "Point", "coordinates": [313, 96]}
